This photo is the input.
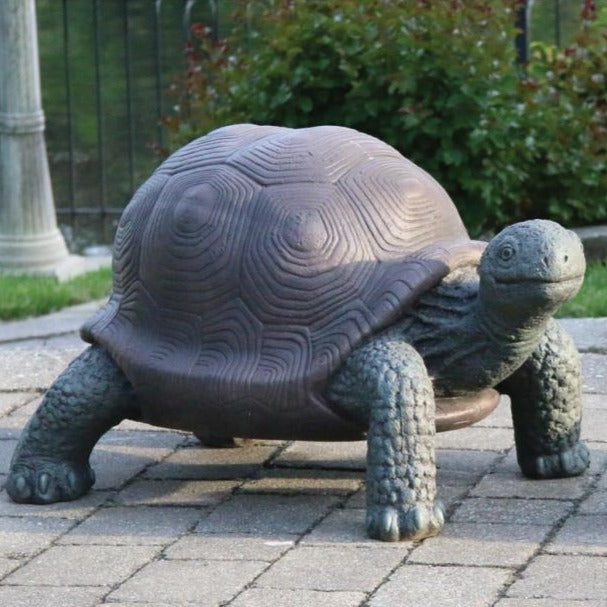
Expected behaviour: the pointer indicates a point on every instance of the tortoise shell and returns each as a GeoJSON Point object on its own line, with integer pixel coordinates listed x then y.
{"type": "Point", "coordinates": [254, 260]}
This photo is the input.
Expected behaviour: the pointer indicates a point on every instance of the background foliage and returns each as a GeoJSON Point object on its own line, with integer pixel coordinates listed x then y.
{"type": "Point", "coordinates": [436, 79]}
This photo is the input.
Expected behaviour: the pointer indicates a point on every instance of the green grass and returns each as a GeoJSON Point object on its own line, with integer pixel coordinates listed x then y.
{"type": "Point", "coordinates": [591, 301]}
{"type": "Point", "coordinates": [22, 296]}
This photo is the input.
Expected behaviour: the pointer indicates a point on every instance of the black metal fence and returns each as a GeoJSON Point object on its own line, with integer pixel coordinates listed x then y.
{"type": "Point", "coordinates": [554, 21]}
{"type": "Point", "coordinates": [106, 68]}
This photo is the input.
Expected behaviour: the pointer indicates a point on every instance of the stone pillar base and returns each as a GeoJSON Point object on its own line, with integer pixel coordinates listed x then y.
{"type": "Point", "coordinates": [40, 254]}
{"type": "Point", "coordinates": [31, 251]}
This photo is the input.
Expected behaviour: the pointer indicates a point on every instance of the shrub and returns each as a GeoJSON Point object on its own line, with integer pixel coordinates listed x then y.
{"type": "Point", "coordinates": [434, 78]}
{"type": "Point", "coordinates": [565, 97]}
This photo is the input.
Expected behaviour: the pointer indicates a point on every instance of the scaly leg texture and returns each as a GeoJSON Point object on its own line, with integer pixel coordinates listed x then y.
{"type": "Point", "coordinates": [386, 382]}
{"type": "Point", "coordinates": [50, 463]}
{"type": "Point", "coordinates": [546, 394]}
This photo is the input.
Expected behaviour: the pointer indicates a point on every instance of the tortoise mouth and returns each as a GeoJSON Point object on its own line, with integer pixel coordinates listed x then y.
{"type": "Point", "coordinates": [555, 291]}
{"type": "Point", "coordinates": [530, 280]}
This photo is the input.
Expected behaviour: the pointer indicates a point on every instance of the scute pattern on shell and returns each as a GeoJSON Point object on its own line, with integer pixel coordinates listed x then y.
{"type": "Point", "coordinates": [255, 260]}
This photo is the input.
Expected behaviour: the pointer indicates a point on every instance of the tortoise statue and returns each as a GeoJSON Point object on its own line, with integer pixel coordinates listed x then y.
{"type": "Point", "coordinates": [313, 284]}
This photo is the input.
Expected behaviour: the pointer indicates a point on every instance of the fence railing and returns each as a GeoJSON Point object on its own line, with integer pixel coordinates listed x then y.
{"type": "Point", "coordinates": [553, 21]}
{"type": "Point", "coordinates": [106, 70]}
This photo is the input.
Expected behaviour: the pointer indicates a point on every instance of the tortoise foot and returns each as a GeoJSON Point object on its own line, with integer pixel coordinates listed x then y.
{"type": "Point", "coordinates": [214, 441]}
{"type": "Point", "coordinates": [44, 481]}
{"type": "Point", "coordinates": [571, 462]}
{"type": "Point", "coordinates": [390, 524]}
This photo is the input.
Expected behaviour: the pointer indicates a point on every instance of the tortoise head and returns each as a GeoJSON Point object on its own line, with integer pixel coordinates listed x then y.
{"type": "Point", "coordinates": [529, 269]}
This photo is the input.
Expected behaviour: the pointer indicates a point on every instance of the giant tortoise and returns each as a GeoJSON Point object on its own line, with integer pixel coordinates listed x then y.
{"type": "Point", "coordinates": [314, 284]}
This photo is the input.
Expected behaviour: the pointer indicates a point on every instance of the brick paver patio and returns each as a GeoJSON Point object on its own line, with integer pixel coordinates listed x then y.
{"type": "Point", "coordinates": [170, 523]}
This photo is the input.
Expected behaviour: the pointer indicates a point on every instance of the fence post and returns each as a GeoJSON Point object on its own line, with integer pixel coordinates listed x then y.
{"type": "Point", "coordinates": [522, 22]}
{"type": "Point", "coordinates": [30, 241]}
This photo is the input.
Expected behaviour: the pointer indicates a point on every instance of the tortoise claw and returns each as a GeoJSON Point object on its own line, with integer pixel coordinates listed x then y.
{"type": "Point", "coordinates": [44, 482]}
{"type": "Point", "coordinates": [390, 524]}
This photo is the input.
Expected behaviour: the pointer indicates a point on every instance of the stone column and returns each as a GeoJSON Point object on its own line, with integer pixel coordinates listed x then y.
{"type": "Point", "coordinates": [29, 238]}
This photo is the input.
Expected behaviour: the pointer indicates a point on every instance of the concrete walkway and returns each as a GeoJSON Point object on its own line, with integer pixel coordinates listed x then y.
{"type": "Point", "coordinates": [282, 524]}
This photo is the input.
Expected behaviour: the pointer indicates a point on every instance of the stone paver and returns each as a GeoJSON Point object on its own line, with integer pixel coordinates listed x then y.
{"type": "Point", "coordinates": [482, 544]}
{"type": "Point", "coordinates": [9, 564]}
{"type": "Point", "coordinates": [598, 460]}
{"type": "Point", "coordinates": [548, 603]}
{"type": "Point", "coordinates": [348, 455]}
{"type": "Point", "coordinates": [469, 466]}
{"type": "Point", "coordinates": [45, 596]}
{"type": "Point", "coordinates": [589, 334]}
{"type": "Point", "coordinates": [563, 577]}
{"type": "Point", "coordinates": [483, 439]}
{"type": "Point", "coordinates": [507, 481]}
{"type": "Point", "coordinates": [6, 452]}
{"type": "Point", "coordinates": [231, 547]}
{"type": "Point", "coordinates": [594, 367]}
{"type": "Point", "coordinates": [267, 514]}
{"type": "Point", "coordinates": [211, 464]}
{"type": "Point", "coordinates": [500, 418]}
{"type": "Point", "coordinates": [298, 481]}
{"type": "Point", "coordinates": [595, 401]}
{"type": "Point", "coordinates": [595, 423]}
{"type": "Point", "coordinates": [597, 502]}
{"type": "Point", "coordinates": [34, 368]}
{"type": "Point", "coordinates": [433, 586]}
{"type": "Point", "coordinates": [132, 525]}
{"type": "Point", "coordinates": [171, 523]}
{"type": "Point", "coordinates": [114, 603]}
{"type": "Point", "coordinates": [519, 511]}
{"type": "Point", "coordinates": [76, 510]}
{"type": "Point", "coordinates": [175, 493]}
{"type": "Point", "coordinates": [115, 465]}
{"type": "Point", "coordinates": [581, 534]}
{"type": "Point", "coordinates": [146, 604]}
{"type": "Point", "coordinates": [332, 568]}
{"type": "Point", "coordinates": [24, 536]}
{"type": "Point", "coordinates": [24, 411]}
{"type": "Point", "coordinates": [12, 400]}
{"type": "Point", "coordinates": [264, 597]}
{"type": "Point", "coordinates": [82, 566]}
{"type": "Point", "coordinates": [208, 583]}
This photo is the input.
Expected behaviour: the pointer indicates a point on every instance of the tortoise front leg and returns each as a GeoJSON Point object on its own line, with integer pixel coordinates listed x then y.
{"type": "Point", "coordinates": [387, 382]}
{"type": "Point", "coordinates": [546, 395]}
{"type": "Point", "coordinates": [51, 461]}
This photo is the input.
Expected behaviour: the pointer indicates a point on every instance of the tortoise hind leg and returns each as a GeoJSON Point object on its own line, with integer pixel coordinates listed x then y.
{"type": "Point", "coordinates": [50, 462]}
{"type": "Point", "coordinates": [214, 441]}
{"type": "Point", "coordinates": [386, 384]}
{"type": "Point", "coordinates": [546, 397]}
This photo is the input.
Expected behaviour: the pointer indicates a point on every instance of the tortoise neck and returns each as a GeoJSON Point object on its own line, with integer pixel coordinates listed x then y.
{"type": "Point", "coordinates": [503, 332]}
{"type": "Point", "coordinates": [468, 341]}
{"type": "Point", "coordinates": [509, 326]}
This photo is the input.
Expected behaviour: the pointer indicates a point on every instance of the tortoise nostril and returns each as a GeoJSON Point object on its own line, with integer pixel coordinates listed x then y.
{"type": "Point", "coordinates": [545, 260]}
{"type": "Point", "coordinates": [566, 258]}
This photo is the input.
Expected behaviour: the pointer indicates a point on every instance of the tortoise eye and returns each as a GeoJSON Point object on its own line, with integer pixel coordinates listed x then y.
{"type": "Point", "coordinates": [507, 252]}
